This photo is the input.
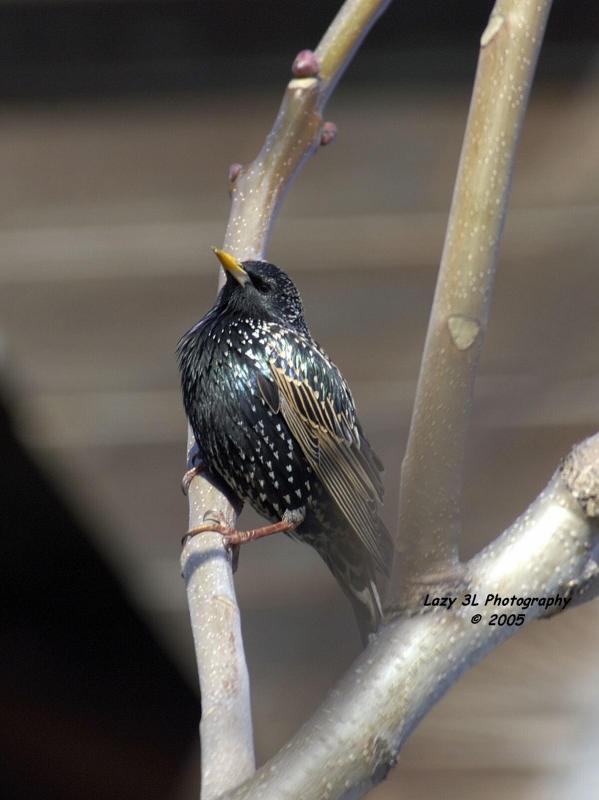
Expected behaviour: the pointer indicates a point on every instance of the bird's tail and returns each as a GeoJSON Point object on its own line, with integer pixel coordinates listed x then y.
{"type": "Point", "coordinates": [353, 568]}
{"type": "Point", "coordinates": [368, 611]}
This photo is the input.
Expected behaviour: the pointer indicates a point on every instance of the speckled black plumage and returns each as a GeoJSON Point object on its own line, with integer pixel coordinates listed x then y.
{"type": "Point", "coordinates": [276, 422]}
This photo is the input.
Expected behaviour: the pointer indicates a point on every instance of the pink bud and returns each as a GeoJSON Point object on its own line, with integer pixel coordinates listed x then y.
{"type": "Point", "coordinates": [305, 65]}
{"type": "Point", "coordinates": [328, 133]}
{"type": "Point", "coordinates": [234, 171]}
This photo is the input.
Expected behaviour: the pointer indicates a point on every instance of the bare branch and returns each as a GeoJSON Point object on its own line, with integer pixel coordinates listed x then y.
{"type": "Point", "coordinates": [226, 722]}
{"type": "Point", "coordinates": [355, 737]}
{"type": "Point", "coordinates": [257, 192]}
{"type": "Point", "coordinates": [432, 471]}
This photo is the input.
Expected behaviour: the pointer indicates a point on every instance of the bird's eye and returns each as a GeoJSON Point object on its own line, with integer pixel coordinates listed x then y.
{"type": "Point", "coordinates": [260, 284]}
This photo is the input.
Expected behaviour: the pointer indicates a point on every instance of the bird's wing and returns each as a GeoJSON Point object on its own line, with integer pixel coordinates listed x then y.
{"type": "Point", "coordinates": [317, 405]}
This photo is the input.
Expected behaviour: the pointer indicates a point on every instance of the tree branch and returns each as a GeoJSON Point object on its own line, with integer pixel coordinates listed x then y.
{"type": "Point", "coordinates": [226, 724]}
{"type": "Point", "coordinates": [355, 737]}
{"type": "Point", "coordinates": [257, 193]}
{"type": "Point", "coordinates": [432, 470]}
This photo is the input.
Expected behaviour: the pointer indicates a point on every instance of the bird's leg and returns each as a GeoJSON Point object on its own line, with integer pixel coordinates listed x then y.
{"type": "Point", "coordinates": [232, 537]}
{"type": "Point", "coordinates": [195, 467]}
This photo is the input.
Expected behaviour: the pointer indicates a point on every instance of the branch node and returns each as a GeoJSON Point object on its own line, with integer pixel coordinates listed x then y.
{"type": "Point", "coordinates": [234, 172]}
{"type": "Point", "coordinates": [303, 83]}
{"type": "Point", "coordinates": [383, 758]}
{"type": "Point", "coordinates": [463, 330]}
{"type": "Point", "coordinates": [449, 579]}
{"type": "Point", "coordinates": [328, 133]}
{"type": "Point", "coordinates": [580, 471]}
{"type": "Point", "coordinates": [494, 25]}
{"type": "Point", "coordinates": [305, 65]}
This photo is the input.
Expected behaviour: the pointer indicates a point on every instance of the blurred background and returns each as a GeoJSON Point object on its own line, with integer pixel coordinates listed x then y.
{"type": "Point", "coordinates": [119, 121]}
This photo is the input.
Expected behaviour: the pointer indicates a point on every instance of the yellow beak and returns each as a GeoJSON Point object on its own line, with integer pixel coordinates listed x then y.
{"type": "Point", "coordinates": [232, 266]}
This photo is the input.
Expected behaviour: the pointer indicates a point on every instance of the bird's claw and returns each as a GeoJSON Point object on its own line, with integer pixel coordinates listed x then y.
{"type": "Point", "coordinates": [234, 538]}
{"type": "Point", "coordinates": [228, 534]}
{"type": "Point", "coordinates": [189, 476]}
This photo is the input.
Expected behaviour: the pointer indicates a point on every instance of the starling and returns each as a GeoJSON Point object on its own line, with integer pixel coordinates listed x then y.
{"type": "Point", "coordinates": [276, 423]}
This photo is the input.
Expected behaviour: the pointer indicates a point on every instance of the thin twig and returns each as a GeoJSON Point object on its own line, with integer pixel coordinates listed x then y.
{"type": "Point", "coordinates": [259, 188]}
{"type": "Point", "coordinates": [257, 193]}
{"type": "Point", "coordinates": [355, 737]}
{"type": "Point", "coordinates": [432, 471]}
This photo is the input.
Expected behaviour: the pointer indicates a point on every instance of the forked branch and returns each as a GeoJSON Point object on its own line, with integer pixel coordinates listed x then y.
{"type": "Point", "coordinates": [355, 737]}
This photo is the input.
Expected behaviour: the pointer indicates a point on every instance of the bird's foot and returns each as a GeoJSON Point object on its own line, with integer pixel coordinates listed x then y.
{"type": "Point", "coordinates": [189, 476]}
{"type": "Point", "coordinates": [195, 466]}
{"type": "Point", "coordinates": [233, 538]}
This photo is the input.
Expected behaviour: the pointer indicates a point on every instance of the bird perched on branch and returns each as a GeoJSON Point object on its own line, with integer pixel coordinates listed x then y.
{"type": "Point", "coordinates": [276, 423]}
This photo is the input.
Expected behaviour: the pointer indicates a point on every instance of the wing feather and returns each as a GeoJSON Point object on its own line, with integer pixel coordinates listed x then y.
{"type": "Point", "coordinates": [319, 410]}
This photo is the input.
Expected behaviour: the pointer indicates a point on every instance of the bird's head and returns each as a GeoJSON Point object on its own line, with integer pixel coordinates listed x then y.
{"type": "Point", "coordinates": [259, 289]}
